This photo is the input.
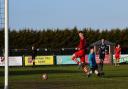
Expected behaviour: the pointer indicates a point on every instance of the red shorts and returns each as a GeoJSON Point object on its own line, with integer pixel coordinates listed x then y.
{"type": "Point", "coordinates": [81, 55]}
{"type": "Point", "coordinates": [117, 56]}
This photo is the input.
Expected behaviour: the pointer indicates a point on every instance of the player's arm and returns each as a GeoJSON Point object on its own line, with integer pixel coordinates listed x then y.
{"type": "Point", "coordinates": [106, 49]}
{"type": "Point", "coordinates": [98, 50]}
{"type": "Point", "coordinates": [78, 47]}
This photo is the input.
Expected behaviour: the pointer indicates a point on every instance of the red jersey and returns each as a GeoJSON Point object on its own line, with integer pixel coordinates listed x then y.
{"type": "Point", "coordinates": [117, 51]}
{"type": "Point", "coordinates": [82, 44]}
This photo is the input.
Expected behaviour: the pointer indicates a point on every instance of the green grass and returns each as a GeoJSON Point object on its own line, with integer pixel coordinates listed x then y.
{"type": "Point", "coordinates": [65, 77]}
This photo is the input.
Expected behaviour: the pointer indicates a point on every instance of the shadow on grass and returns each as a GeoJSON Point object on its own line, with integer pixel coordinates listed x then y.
{"type": "Point", "coordinates": [1, 87]}
{"type": "Point", "coordinates": [29, 72]}
{"type": "Point", "coordinates": [114, 76]}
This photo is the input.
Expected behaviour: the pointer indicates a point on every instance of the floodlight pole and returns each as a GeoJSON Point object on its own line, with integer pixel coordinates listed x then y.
{"type": "Point", "coordinates": [6, 44]}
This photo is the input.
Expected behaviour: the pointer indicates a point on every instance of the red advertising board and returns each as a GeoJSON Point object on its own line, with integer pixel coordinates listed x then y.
{"type": "Point", "coordinates": [106, 60]}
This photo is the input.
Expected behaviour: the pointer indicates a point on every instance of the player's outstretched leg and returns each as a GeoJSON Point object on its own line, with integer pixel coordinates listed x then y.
{"type": "Point", "coordinates": [85, 68]}
{"type": "Point", "coordinates": [74, 58]}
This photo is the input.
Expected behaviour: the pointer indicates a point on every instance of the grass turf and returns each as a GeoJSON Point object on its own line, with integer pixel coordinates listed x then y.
{"type": "Point", "coordinates": [65, 77]}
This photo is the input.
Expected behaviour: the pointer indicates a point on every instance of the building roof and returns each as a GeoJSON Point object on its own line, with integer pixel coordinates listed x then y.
{"type": "Point", "coordinates": [99, 42]}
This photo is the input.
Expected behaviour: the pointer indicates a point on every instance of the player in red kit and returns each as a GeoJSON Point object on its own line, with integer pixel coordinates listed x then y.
{"type": "Point", "coordinates": [117, 54]}
{"type": "Point", "coordinates": [80, 53]}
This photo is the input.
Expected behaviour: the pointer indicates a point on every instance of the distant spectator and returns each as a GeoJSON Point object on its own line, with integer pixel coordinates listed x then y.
{"type": "Point", "coordinates": [33, 54]}
{"type": "Point", "coordinates": [1, 54]}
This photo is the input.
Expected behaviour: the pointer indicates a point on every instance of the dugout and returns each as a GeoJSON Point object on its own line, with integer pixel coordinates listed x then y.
{"type": "Point", "coordinates": [110, 48]}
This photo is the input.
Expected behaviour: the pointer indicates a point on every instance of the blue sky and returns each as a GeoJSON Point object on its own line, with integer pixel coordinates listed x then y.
{"type": "Point", "coordinates": [62, 14]}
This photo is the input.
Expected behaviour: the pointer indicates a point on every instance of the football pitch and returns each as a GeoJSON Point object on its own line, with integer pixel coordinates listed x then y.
{"type": "Point", "coordinates": [65, 77]}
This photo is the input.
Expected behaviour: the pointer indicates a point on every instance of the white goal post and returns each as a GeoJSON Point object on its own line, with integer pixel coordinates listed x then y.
{"type": "Point", "coordinates": [6, 25]}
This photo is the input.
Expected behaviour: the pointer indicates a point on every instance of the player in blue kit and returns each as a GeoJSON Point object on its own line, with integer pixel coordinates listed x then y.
{"type": "Point", "coordinates": [92, 63]}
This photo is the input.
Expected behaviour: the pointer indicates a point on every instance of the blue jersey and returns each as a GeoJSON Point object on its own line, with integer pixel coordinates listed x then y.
{"type": "Point", "coordinates": [92, 60]}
